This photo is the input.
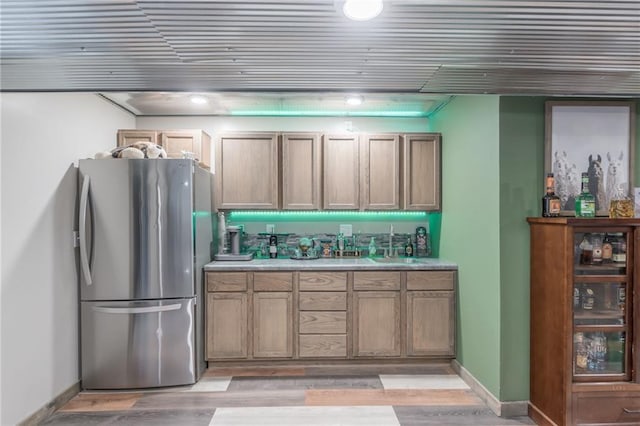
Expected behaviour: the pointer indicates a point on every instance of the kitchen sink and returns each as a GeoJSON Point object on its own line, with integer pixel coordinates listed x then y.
{"type": "Point", "coordinates": [394, 259]}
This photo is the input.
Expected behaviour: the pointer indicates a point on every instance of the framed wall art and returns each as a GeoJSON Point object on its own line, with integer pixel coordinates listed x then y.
{"type": "Point", "coordinates": [596, 137]}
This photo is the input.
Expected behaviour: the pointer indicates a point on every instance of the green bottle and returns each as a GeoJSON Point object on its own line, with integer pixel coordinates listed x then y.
{"type": "Point", "coordinates": [586, 202]}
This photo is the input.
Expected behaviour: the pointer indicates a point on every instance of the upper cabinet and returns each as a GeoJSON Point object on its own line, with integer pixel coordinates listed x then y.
{"type": "Point", "coordinates": [173, 141]}
{"type": "Point", "coordinates": [341, 167]}
{"type": "Point", "coordinates": [310, 171]}
{"type": "Point", "coordinates": [301, 171]}
{"type": "Point", "coordinates": [380, 172]}
{"type": "Point", "coordinates": [247, 171]}
{"type": "Point", "coordinates": [129, 136]}
{"type": "Point", "coordinates": [196, 141]}
{"type": "Point", "coordinates": [421, 171]}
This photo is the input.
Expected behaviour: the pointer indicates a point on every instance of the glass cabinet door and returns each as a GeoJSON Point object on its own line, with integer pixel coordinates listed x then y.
{"type": "Point", "coordinates": [600, 306]}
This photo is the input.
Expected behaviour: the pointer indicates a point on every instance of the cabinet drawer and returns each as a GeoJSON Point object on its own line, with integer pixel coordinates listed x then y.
{"type": "Point", "coordinates": [606, 407]}
{"type": "Point", "coordinates": [272, 281]}
{"type": "Point", "coordinates": [323, 281]}
{"type": "Point", "coordinates": [376, 280]}
{"type": "Point", "coordinates": [226, 281]}
{"type": "Point", "coordinates": [431, 280]}
{"type": "Point", "coordinates": [323, 301]}
{"type": "Point", "coordinates": [321, 346]}
{"type": "Point", "coordinates": [323, 322]}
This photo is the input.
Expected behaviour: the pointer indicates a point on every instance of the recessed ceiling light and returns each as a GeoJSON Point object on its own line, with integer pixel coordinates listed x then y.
{"type": "Point", "coordinates": [362, 10]}
{"type": "Point", "coordinates": [354, 100]}
{"type": "Point", "coordinates": [199, 100]}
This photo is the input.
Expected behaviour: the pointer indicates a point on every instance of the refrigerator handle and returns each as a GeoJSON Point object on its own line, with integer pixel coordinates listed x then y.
{"type": "Point", "coordinates": [139, 310]}
{"type": "Point", "coordinates": [84, 205]}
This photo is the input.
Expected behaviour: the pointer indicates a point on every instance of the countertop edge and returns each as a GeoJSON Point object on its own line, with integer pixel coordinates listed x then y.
{"type": "Point", "coordinates": [362, 264]}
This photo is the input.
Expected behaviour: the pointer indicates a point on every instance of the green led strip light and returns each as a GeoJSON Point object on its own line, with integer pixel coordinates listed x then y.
{"type": "Point", "coordinates": [297, 215]}
{"type": "Point", "coordinates": [286, 113]}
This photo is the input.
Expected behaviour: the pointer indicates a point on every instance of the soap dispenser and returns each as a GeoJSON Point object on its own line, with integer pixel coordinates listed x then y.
{"type": "Point", "coordinates": [372, 247]}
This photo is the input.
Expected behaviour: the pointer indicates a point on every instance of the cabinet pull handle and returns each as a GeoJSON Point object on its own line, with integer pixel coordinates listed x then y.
{"type": "Point", "coordinates": [629, 411]}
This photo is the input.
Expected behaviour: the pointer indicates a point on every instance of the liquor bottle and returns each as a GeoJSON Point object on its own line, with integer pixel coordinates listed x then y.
{"type": "Point", "coordinates": [550, 201]}
{"type": "Point", "coordinates": [585, 202]}
{"type": "Point", "coordinates": [607, 249]}
{"type": "Point", "coordinates": [619, 249]}
{"type": "Point", "coordinates": [588, 298]}
{"type": "Point", "coordinates": [408, 248]}
{"type": "Point", "coordinates": [596, 258]}
{"type": "Point", "coordinates": [273, 246]}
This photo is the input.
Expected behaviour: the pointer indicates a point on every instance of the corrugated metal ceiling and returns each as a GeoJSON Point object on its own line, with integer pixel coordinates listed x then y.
{"type": "Point", "coordinates": [432, 47]}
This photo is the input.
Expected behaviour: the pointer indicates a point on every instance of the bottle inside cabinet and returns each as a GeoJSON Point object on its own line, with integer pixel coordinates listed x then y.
{"type": "Point", "coordinates": [600, 253]}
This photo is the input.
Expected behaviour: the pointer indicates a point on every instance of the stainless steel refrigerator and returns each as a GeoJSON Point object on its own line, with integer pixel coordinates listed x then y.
{"type": "Point", "coordinates": [145, 232]}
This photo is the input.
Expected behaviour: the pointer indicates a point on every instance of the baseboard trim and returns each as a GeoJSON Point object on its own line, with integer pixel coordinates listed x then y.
{"type": "Point", "coordinates": [48, 409]}
{"type": "Point", "coordinates": [500, 408]}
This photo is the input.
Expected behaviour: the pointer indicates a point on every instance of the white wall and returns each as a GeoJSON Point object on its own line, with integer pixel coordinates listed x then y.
{"type": "Point", "coordinates": [42, 137]}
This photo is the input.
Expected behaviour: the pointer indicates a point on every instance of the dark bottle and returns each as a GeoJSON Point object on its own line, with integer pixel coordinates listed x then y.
{"type": "Point", "coordinates": [408, 248]}
{"type": "Point", "coordinates": [550, 201]}
{"type": "Point", "coordinates": [273, 246]}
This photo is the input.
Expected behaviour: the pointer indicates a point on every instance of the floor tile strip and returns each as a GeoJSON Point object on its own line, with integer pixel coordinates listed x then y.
{"type": "Point", "coordinates": [210, 384]}
{"type": "Point", "coordinates": [454, 416]}
{"type": "Point", "coordinates": [254, 371]}
{"type": "Point", "coordinates": [203, 400]}
{"type": "Point", "coordinates": [349, 370]}
{"type": "Point", "coordinates": [101, 402]}
{"type": "Point", "coordinates": [308, 416]}
{"type": "Point", "coordinates": [306, 382]}
{"type": "Point", "coordinates": [422, 381]}
{"type": "Point", "coordinates": [356, 397]}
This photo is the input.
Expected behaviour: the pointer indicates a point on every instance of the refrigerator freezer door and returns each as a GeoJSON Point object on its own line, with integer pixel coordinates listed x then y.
{"type": "Point", "coordinates": [138, 231]}
{"type": "Point", "coordinates": [142, 344]}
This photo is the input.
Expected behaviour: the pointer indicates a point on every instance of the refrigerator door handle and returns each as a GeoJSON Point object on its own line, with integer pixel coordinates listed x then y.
{"type": "Point", "coordinates": [139, 310]}
{"type": "Point", "coordinates": [84, 255]}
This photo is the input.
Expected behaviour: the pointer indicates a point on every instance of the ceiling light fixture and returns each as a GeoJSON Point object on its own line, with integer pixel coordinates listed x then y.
{"type": "Point", "coordinates": [362, 10]}
{"type": "Point", "coordinates": [354, 100]}
{"type": "Point", "coordinates": [199, 100]}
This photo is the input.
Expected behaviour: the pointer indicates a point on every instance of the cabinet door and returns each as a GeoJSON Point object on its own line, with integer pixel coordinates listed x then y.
{"type": "Point", "coordinates": [129, 136]}
{"type": "Point", "coordinates": [430, 323]}
{"type": "Point", "coordinates": [602, 312]}
{"type": "Point", "coordinates": [341, 172]}
{"type": "Point", "coordinates": [273, 325]}
{"type": "Point", "coordinates": [376, 323]}
{"type": "Point", "coordinates": [247, 171]}
{"type": "Point", "coordinates": [226, 325]}
{"type": "Point", "coordinates": [421, 182]}
{"type": "Point", "coordinates": [380, 172]}
{"type": "Point", "coordinates": [196, 141]}
{"type": "Point", "coordinates": [300, 171]}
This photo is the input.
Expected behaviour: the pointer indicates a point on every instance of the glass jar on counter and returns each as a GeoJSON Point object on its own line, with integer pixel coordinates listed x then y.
{"type": "Point", "coordinates": [621, 204]}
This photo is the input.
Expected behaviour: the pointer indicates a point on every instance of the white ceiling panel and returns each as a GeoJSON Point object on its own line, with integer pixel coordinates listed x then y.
{"type": "Point", "coordinates": [414, 47]}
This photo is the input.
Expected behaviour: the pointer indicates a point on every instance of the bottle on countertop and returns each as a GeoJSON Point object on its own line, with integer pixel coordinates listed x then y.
{"type": "Point", "coordinates": [550, 201]}
{"type": "Point", "coordinates": [408, 248]}
{"type": "Point", "coordinates": [273, 246]}
{"type": "Point", "coordinates": [222, 233]}
{"type": "Point", "coordinates": [585, 202]}
{"type": "Point", "coordinates": [372, 247]}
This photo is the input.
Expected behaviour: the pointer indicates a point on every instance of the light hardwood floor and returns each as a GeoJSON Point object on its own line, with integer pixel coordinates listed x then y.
{"type": "Point", "coordinates": [400, 395]}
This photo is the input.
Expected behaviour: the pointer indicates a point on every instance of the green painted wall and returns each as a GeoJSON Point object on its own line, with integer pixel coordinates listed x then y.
{"type": "Point", "coordinates": [471, 228]}
{"type": "Point", "coordinates": [521, 179]}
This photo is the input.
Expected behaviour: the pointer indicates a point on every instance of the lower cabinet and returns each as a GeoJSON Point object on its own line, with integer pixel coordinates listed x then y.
{"type": "Point", "coordinates": [330, 315]}
{"type": "Point", "coordinates": [376, 323]}
{"type": "Point", "coordinates": [272, 325]}
{"type": "Point", "coordinates": [430, 323]}
{"type": "Point", "coordinates": [226, 325]}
